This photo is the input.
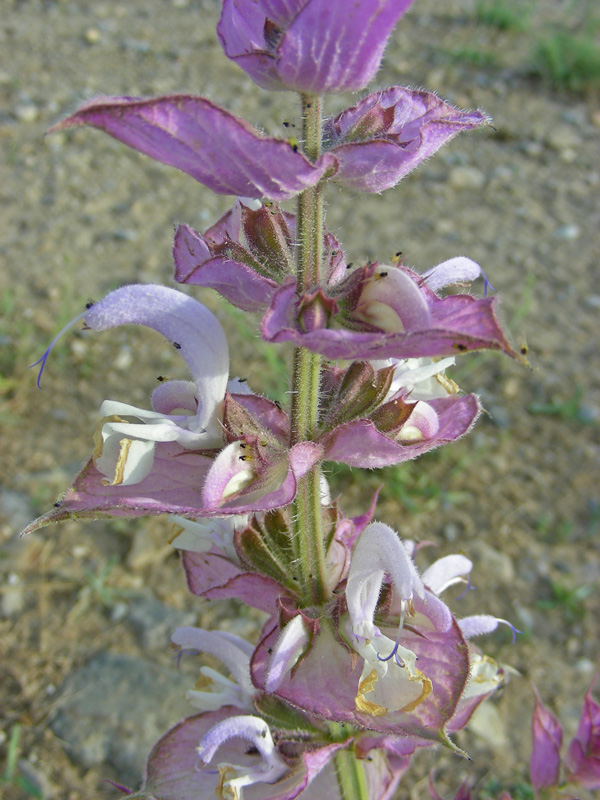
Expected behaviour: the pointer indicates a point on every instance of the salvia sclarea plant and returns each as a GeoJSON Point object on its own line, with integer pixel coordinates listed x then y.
{"type": "Point", "coordinates": [361, 663]}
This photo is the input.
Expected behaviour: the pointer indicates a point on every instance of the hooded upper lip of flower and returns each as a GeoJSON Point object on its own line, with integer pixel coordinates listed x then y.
{"type": "Point", "coordinates": [310, 46]}
{"type": "Point", "coordinates": [183, 412]}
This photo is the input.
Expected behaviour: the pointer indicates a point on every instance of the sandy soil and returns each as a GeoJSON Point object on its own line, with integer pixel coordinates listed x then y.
{"type": "Point", "coordinates": [82, 214]}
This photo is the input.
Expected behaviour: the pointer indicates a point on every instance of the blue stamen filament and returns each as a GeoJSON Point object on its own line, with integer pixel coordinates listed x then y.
{"type": "Point", "coordinates": [469, 587]}
{"type": "Point", "coordinates": [398, 660]}
{"type": "Point", "coordinates": [44, 358]}
{"type": "Point", "coordinates": [394, 653]}
{"type": "Point", "coordinates": [486, 284]}
{"type": "Point", "coordinates": [513, 629]}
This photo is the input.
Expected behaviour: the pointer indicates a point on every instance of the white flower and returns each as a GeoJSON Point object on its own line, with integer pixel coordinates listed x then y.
{"type": "Point", "coordinates": [214, 690]}
{"type": "Point", "coordinates": [390, 680]}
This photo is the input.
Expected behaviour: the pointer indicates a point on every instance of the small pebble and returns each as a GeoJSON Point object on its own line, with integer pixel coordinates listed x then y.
{"type": "Point", "coordinates": [531, 148]}
{"type": "Point", "coordinates": [567, 233]}
{"type": "Point", "coordinates": [26, 112]}
{"type": "Point", "coordinates": [563, 138]}
{"type": "Point", "coordinates": [466, 178]}
{"type": "Point", "coordinates": [124, 235]}
{"type": "Point", "coordinates": [584, 666]}
{"type": "Point", "coordinates": [92, 36]}
{"type": "Point", "coordinates": [450, 532]}
{"type": "Point", "coordinates": [136, 45]}
{"type": "Point", "coordinates": [592, 300]}
{"type": "Point", "coordinates": [13, 597]}
{"type": "Point", "coordinates": [124, 359]}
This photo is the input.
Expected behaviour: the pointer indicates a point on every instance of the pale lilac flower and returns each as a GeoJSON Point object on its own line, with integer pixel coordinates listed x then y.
{"type": "Point", "coordinates": [218, 690]}
{"type": "Point", "coordinates": [256, 732]}
{"type": "Point", "coordinates": [292, 642]}
{"type": "Point", "coordinates": [390, 680]}
{"type": "Point", "coordinates": [419, 378]}
{"type": "Point", "coordinates": [185, 413]}
{"type": "Point", "coordinates": [205, 141]}
{"type": "Point", "coordinates": [258, 470]}
{"type": "Point", "coordinates": [408, 668]}
{"type": "Point", "coordinates": [201, 535]}
{"type": "Point", "coordinates": [310, 46]}
{"type": "Point", "coordinates": [176, 458]}
{"type": "Point", "coordinates": [485, 677]}
{"type": "Point", "coordinates": [244, 763]}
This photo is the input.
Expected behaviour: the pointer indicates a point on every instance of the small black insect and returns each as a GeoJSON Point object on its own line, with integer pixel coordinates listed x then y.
{"type": "Point", "coordinates": [90, 303]}
{"type": "Point", "coordinates": [176, 345]}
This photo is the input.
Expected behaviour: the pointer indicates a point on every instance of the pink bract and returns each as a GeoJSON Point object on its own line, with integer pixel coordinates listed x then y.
{"type": "Point", "coordinates": [310, 46]}
{"type": "Point", "coordinates": [205, 141]}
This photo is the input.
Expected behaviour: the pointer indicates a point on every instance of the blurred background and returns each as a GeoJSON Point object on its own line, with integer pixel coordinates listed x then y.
{"type": "Point", "coordinates": [87, 677]}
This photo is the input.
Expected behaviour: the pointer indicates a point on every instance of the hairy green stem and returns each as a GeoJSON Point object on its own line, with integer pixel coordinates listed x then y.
{"type": "Point", "coordinates": [306, 511]}
{"type": "Point", "coordinates": [351, 777]}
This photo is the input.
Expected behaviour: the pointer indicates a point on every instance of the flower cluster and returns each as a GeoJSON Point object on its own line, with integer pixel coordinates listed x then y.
{"type": "Point", "coordinates": [360, 661]}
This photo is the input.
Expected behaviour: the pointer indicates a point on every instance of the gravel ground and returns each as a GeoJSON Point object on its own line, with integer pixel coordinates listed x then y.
{"type": "Point", "coordinates": [82, 214]}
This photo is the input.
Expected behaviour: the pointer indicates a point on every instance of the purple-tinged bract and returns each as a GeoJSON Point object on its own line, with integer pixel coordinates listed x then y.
{"type": "Point", "coordinates": [583, 756]}
{"type": "Point", "coordinates": [386, 311]}
{"type": "Point", "coordinates": [203, 140]}
{"type": "Point", "coordinates": [389, 133]}
{"type": "Point", "coordinates": [546, 735]}
{"type": "Point", "coordinates": [309, 46]}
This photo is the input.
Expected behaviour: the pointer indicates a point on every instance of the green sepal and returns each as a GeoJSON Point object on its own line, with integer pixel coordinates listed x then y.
{"type": "Point", "coordinates": [237, 252]}
{"type": "Point", "coordinates": [241, 424]}
{"type": "Point", "coordinates": [255, 555]}
{"type": "Point", "coordinates": [269, 239]}
{"type": "Point", "coordinates": [360, 392]}
{"type": "Point", "coordinates": [266, 547]}
{"type": "Point", "coordinates": [290, 723]}
{"type": "Point", "coordinates": [374, 123]}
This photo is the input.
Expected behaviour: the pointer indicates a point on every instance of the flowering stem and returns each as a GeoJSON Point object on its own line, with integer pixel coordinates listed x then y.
{"type": "Point", "coordinates": [351, 776]}
{"type": "Point", "coordinates": [350, 772]}
{"type": "Point", "coordinates": [306, 510]}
